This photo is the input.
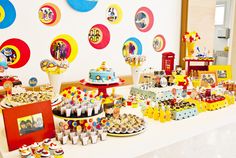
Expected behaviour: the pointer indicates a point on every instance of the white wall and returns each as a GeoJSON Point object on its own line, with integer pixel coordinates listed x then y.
{"type": "Point", "coordinates": [220, 43]}
{"type": "Point", "coordinates": [201, 17]}
{"type": "Point", "coordinates": [38, 36]}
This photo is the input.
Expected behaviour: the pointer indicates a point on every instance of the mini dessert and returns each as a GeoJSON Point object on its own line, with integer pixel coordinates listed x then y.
{"type": "Point", "coordinates": [46, 143]}
{"type": "Point", "coordinates": [26, 154]}
{"type": "Point", "coordinates": [34, 147]}
{"type": "Point", "coordinates": [52, 148]}
{"type": "Point", "coordinates": [45, 154]}
{"type": "Point", "coordinates": [102, 75]}
{"type": "Point", "coordinates": [126, 124]}
{"type": "Point", "coordinates": [28, 97]}
{"type": "Point", "coordinates": [59, 153]}
{"type": "Point", "coordinates": [38, 152]}
{"type": "Point", "coordinates": [78, 104]}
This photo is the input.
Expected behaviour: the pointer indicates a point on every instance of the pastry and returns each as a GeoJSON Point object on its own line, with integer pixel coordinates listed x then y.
{"type": "Point", "coordinates": [45, 154]}
{"type": "Point", "coordinates": [59, 153]}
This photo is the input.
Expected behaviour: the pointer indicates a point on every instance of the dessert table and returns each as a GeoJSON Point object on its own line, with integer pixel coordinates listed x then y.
{"type": "Point", "coordinates": [155, 140]}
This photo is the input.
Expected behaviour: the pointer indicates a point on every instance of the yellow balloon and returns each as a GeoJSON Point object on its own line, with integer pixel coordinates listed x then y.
{"type": "Point", "coordinates": [73, 44]}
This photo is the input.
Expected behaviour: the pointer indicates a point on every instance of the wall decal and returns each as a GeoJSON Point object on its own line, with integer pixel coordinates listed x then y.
{"type": "Point", "coordinates": [49, 14]}
{"type": "Point", "coordinates": [82, 5]}
{"type": "Point", "coordinates": [114, 14]}
{"type": "Point", "coordinates": [159, 43]}
{"type": "Point", "coordinates": [16, 51]}
{"type": "Point", "coordinates": [7, 14]}
{"type": "Point", "coordinates": [144, 19]}
{"type": "Point", "coordinates": [132, 46]}
{"type": "Point", "coordinates": [99, 36]}
{"type": "Point", "coordinates": [64, 47]}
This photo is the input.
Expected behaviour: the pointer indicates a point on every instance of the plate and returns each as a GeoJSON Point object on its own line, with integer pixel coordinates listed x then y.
{"type": "Point", "coordinates": [125, 135]}
{"type": "Point", "coordinates": [82, 117]}
{"type": "Point", "coordinates": [5, 105]}
{"type": "Point", "coordinates": [102, 83]}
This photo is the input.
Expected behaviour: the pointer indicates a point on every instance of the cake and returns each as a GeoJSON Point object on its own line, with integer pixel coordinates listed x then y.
{"type": "Point", "coordinates": [102, 74]}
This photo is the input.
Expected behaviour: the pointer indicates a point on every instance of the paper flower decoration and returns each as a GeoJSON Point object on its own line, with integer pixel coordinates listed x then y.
{"type": "Point", "coordinates": [191, 37]}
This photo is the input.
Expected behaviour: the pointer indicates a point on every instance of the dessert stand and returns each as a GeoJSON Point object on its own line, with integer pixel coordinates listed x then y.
{"type": "Point", "coordinates": [102, 87]}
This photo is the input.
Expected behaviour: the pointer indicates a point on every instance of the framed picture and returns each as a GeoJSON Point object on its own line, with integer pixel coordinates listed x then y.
{"type": "Point", "coordinates": [223, 72]}
{"type": "Point", "coordinates": [29, 123]}
{"type": "Point", "coordinates": [207, 78]}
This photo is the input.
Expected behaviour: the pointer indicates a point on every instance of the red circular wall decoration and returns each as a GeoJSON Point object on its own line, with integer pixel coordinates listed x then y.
{"type": "Point", "coordinates": [99, 36]}
{"type": "Point", "coordinates": [144, 19]}
{"type": "Point", "coordinates": [16, 51]}
{"type": "Point", "coordinates": [159, 43]}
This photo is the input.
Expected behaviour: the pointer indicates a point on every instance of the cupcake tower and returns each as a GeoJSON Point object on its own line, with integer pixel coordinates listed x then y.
{"type": "Point", "coordinates": [46, 149]}
{"type": "Point", "coordinates": [78, 104]}
{"type": "Point", "coordinates": [82, 131]}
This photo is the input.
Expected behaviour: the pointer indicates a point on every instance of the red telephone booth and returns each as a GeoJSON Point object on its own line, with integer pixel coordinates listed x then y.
{"type": "Point", "coordinates": [168, 59]}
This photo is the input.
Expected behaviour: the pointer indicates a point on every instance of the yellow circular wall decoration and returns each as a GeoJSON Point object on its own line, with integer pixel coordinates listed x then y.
{"type": "Point", "coordinates": [114, 14]}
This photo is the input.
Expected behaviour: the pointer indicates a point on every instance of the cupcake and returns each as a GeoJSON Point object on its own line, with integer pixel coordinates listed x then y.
{"type": "Point", "coordinates": [130, 130]}
{"type": "Point", "coordinates": [45, 154]}
{"type": "Point", "coordinates": [111, 129]}
{"type": "Point", "coordinates": [124, 130]}
{"type": "Point", "coordinates": [26, 154]}
{"type": "Point", "coordinates": [118, 130]}
{"type": "Point", "coordinates": [34, 147]}
{"type": "Point", "coordinates": [38, 152]}
{"type": "Point", "coordinates": [46, 144]}
{"type": "Point", "coordinates": [52, 148]}
{"type": "Point", "coordinates": [24, 148]}
{"type": "Point", "coordinates": [59, 153]}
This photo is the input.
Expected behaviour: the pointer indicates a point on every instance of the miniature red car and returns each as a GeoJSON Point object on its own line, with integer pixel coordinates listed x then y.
{"type": "Point", "coordinates": [13, 79]}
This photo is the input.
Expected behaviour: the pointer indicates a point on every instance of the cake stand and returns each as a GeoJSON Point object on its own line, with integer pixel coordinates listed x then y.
{"type": "Point", "coordinates": [102, 88]}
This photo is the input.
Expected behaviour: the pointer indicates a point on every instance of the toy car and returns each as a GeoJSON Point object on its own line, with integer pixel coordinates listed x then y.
{"type": "Point", "coordinates": [13, 79]}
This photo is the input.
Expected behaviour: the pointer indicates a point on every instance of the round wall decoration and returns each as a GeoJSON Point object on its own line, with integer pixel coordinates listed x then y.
{"type": "Point", "coordinates": [7, 14]}
{"type": "Point", "coordinates": [49, 14]}
{"type": "Point", "coordinates": [159, 43]}
{"type": "Point", "coordinates": [144, 19]}
{"type": "Point", "coordinates": [114, 14]}
{"type": "Point", "coordinates": [99, 36]}
{"type": "Point", "coordinates": [82, 5]}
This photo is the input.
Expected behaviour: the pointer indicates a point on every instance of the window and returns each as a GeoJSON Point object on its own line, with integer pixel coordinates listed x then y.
{"type": "Point", "coordinates": [220, 14]}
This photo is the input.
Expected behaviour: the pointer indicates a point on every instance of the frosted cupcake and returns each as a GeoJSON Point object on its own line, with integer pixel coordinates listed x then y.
{"type": "Point", "coordinates": [38, 152]}
{"type": "Point", "coordinates": [46, 144]}
{"type": "Point", "coordinates": [45, 154]}
{"type": "Point", "coordinates": [59, 153]}
{"type": "Point", "coordinates": [52, 148]}
{"type": "Point", "coordinates": [34, 147]}
{"type": "Point", "coordinates": [26, 154]}
{"type": "Point", "coordinates": [24, 148]}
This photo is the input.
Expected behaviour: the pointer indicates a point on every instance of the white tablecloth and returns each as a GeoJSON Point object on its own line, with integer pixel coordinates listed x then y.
{"type": "Point", "coordinates": [157, 136]}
